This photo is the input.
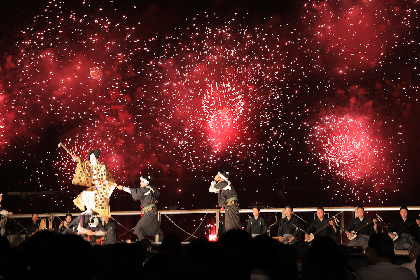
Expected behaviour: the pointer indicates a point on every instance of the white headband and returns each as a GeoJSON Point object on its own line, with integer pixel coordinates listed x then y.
{"type": "Point", "coordinates": [223, 177]}
{"type": "Point", "coordinates": [144, 179]}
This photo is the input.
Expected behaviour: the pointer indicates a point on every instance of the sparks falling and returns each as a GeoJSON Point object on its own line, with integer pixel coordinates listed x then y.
{"type": "Point", "coordinates": [332, 86]}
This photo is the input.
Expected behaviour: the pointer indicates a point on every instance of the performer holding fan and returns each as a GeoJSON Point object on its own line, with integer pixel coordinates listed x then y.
{"type": "Point", "coordinates": [100, 184]}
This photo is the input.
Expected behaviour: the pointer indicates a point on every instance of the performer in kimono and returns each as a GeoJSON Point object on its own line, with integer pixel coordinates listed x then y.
{"type": "Point", "coordinates": [147, 195]}
{"type": "Point", "coordinates": [321, 227]}
{"type": "Point", "coordinates": [111, 231]}
{"type": "Point", "coordinates": [288, 232]}
{"type": "Point", "coordinates": [256, 225]}
{"type": "Point", "coordinates": [227, 199]}
{"type": "Point", "coordinates": [404, 231]}
{"type": "Point", "coordinates": [362, 227]}
{"type": "Point", "coordinates": [33, 226]}
{"type": "Point", "coordinates": [100, 184]}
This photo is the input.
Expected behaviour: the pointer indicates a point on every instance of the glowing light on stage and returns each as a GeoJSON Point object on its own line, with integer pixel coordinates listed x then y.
{"type": "Point", "coordinates": [211, 232]}
{"type": "Point", "coordinates": [212, 237]}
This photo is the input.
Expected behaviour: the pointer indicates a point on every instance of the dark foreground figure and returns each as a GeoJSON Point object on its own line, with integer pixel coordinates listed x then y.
{"type": "Point", "coordinates": [235, 256]}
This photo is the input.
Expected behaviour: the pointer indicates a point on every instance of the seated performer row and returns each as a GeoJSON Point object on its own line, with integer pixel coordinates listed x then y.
{"type": "Point", "coordinates": [289, 231]}
{"type": "Point", "coordinates": [404, 231]}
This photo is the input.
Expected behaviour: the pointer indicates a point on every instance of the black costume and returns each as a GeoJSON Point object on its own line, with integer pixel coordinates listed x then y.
{"type": "Point", "coordinates": [149, 223]}
{"type": "Point", "coordinates": [407, 237]}
{"type": "Point", "coordinates": [317, 224]}
{"type": "Point", "coordinates": [362, 237]}
{"type": "Point", "coordinates": [31, 228]}
{"type": "Point", "coordinates": [71, 228]}
{"type": "Point", "coordinates": [228, 199]}
{"type": "Point", "coordinates": [111, 232]}
{"type": "Point", "coordinates": [289, 228]}
{"type": "Point", "coordinates": [76, 221]}
{"type": "Point", "coordinates": [222, 228]}
{"type": "Point", "coordinates": [256, 226]}
{"type": "Point", "coordinates": [66, 230]}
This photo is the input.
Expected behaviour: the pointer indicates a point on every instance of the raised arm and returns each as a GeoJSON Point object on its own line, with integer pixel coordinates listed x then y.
{"type": "Point", "coordinates": [122, 188]}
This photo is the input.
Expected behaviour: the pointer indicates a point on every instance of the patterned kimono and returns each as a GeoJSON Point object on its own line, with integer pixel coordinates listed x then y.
{"type": "Point", "coordinates": [100, 185]}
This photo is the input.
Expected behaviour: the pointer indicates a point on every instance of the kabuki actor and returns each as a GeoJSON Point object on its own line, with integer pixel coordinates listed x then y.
{"type": "Point", "coordinates": [100, 184]}
{"type": "Point", "coordinates": [147, 194]}
{"type": "Point", "coordinates": [227, 198]}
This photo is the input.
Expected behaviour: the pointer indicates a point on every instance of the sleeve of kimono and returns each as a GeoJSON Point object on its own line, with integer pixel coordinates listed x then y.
{"type": "Point", "coordinates": [220, 185]}
{"type": "Point", "coordinates": [137, 193]}
{"type": "Point", "coordinates": [264, 227]}
{"type": "Point", "coordinates": [156, 193]}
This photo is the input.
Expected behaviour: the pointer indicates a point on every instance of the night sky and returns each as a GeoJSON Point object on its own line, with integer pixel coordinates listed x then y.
{"type": "Point", "coordinates": [307, 103]}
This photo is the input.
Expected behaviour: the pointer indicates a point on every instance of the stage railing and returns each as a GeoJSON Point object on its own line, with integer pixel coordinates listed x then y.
{"type": "Point", "coordinates": [217, 212]}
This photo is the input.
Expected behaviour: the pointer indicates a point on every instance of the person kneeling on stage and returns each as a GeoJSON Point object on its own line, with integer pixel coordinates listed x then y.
{"type": "Point", "coordinates": [288, 227]}
{"type": "Point", "coordinates": [403, 231]}
{"type": "Point", "coordinates": [362, 227]}
{"type": "Point", "coordinates": [256, 225]}
{"type": "Point", "coordinates": [147, 194]}
{"type": "Point", "coordinates": [111, 231]}
{"type": "Point", "coordinates": [33, 226]}
{"type": "Point", "coordinates": [327, 226]}
{"type": "Point", "coordinates": [64, 227]}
